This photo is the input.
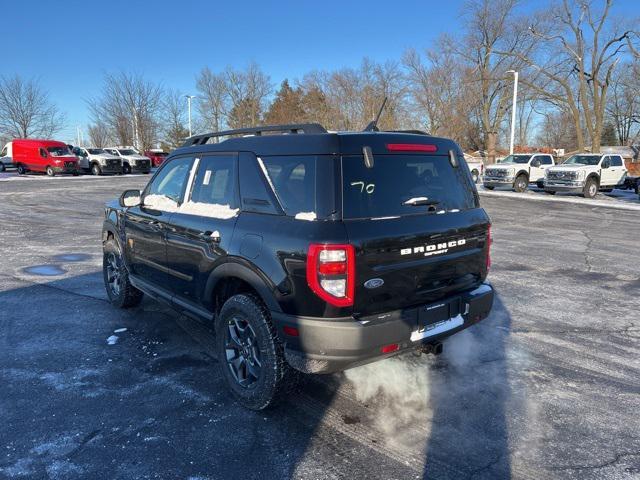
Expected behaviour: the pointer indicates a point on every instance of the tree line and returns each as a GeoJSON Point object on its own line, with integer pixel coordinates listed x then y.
{"type": "Point", "coordinates": [578, 64]}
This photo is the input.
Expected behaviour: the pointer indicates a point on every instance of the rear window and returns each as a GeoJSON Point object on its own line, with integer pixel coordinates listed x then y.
{"type": "Point", "coordinates": [293, 179]}
{"type": "Point", "coordinates": [382, 191]}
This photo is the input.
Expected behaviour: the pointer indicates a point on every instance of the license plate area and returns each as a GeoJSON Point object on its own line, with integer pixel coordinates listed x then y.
{"type": "Point", "coordinates": [429, 316]}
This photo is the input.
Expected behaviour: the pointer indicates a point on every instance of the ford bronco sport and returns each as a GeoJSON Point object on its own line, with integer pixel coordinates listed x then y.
{"type": "Point", "coordinates": [309, 250]}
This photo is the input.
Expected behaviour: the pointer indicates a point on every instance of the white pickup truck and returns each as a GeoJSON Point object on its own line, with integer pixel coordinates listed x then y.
{"type": "Point", "coordinates": [586, 173]}
{"type": "Point", "coordinates": [518, 171]}
{"type": "Point", "coordinates": [132, 161]}
{"type": "Point", "coordinates": [97, 161]}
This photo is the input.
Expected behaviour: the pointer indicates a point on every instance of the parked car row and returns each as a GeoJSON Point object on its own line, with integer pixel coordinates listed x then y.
{"type": "Point", "coordinates": [53, 157]}
{"type": "Point", "coordinates": [586, 173]}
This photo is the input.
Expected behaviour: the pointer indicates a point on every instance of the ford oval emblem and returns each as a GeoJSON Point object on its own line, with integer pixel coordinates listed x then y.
{"type": "Point", "coordinates": [374, 283]}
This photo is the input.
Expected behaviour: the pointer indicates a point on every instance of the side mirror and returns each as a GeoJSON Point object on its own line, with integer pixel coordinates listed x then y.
{"type": "Point", "coordinates": [130, 198]}
{"type": "Point", "coordinates": [606, 164]}
{"type": "Point", "coordinates": [535, 163]}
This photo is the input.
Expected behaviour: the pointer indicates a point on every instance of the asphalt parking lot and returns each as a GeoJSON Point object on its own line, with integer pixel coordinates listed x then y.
{"type": "Point", "coordinates": [547, 387]}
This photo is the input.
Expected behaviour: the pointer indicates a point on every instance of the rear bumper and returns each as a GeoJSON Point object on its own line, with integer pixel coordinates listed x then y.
{"type": "Point", "coordinates": [330, 345]}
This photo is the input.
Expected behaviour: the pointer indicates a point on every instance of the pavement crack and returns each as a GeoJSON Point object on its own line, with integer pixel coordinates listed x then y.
{"type": "Point", "coordinates": [598, 466]}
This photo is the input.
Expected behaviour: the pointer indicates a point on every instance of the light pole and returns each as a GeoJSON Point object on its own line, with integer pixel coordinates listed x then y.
{"type": "Point", "coordinates": [513, 109]}
{"type": "Point", "coordinates": [189, 97]}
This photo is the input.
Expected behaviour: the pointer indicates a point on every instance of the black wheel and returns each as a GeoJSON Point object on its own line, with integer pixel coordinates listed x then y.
{"type": "Point", "coordinates": [521, 183]}
{"type": "Point", "coordinates": [126, 168]}
{"type": "Point", "coordinates": [489, 188]}
{"type": "Point", "coordinates": [21, 169]}
{"type": "Point", "coordinates": [250, 353]}
{"type": "Point", "coordinates": [590, 189]}
{"type": "Point", "coordinates": [2, 167]}
{"type": "Point", "coordinates": [95, 169]}
{"type": "Point", "coordinates": [116, 278]}
{"type": "Point", "coordinates": [50, 171]}
{"type": "Point", "coordinates": [540, 185]}
{"type": "Point", "coordinates": [550, 192]}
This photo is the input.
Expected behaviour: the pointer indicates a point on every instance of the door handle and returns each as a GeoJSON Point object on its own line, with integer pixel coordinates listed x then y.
{"type": "Point", "coordinates": [210, 236]}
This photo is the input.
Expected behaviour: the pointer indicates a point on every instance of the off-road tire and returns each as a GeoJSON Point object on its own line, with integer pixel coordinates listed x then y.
{"type": "Point", "coordinates": [96, 170]}
{"type": "Point", "coordinates": [126, 169]}
{"type": "Point", "coordinates": [275, 377]}
{"type": "Point", "coordinates": [590, 189]}
{"type": "Point", "coordinates": [127, 295]}
{"type": "Point", "coordinates": [540, 185]}
{"type": "Point", "coordinates": [521, 183]}
{"type": "Point", "coordinates": [49, 171]}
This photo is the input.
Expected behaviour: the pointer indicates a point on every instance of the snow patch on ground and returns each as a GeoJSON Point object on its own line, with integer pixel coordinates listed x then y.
{"type": "Point", "coordinates": [309, 216]}
{"type": "Point", "coordinates": [112, 340]}
{"type": "Point", "coordinates": [618, 199]}
{"type": "Point", "coordinates": [119, 330]}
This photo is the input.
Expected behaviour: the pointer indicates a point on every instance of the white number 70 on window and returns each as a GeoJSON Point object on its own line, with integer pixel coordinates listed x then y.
{"type": "Point", "coordinates": [369, 188]}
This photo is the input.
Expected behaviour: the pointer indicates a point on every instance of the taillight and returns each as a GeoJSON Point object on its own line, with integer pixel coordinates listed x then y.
{"type": "Point", "coordinates": [331, 273]}
{"type": "Point", "coordinates": [411, 147]}
{"type": "Point", "coordinates": [489, 242]}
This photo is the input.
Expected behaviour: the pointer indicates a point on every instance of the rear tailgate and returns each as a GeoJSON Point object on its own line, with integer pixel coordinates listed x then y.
{"type": "Point", "coordinates": [417, 228]}
{"type": "Point", "coordinates": [420, 259]}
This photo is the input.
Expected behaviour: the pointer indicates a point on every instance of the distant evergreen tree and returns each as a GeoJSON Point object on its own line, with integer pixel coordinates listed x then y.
{"type": "Point", "coordinates": [286, 107]}
{"type": "Point", "coordinates": [609, 135]}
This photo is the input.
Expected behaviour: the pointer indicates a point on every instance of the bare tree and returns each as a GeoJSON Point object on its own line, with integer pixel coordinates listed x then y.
{"type": "Point", "coordinates": [99, 135]}
{"type": "Point", "coordinates": [130, 106]}
{"type": "Point", "coordinates": [583, 49]}
{"type": "Point", "coordinates": [213, 100]}
{"type": "Point", "coordinates": [491, 29]}
{"type": "Point", "coordinates": [247, 91]}
{"type": "Point", "coordinates": [26, 111]}
{"type": "Point", "coordinates": [623, 107]}
{"type": "Point", "coordinates": [174, 132]}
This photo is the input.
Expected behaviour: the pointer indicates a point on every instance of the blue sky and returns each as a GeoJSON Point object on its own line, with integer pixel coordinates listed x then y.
{"type": "Point", "coordinates": [69, 45]}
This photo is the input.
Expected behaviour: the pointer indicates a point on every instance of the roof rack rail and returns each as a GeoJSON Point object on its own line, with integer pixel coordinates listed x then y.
{"type": "Point", "coordinates": [293, 128]}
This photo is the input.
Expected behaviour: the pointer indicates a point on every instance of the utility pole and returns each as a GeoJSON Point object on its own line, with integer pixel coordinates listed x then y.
{"type": "Point", "coordinates": [189, 98]}
{"type": "Point", "coordinates": [513, 109]}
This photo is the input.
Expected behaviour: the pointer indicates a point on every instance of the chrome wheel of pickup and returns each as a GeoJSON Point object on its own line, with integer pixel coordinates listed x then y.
{"type": "Point", "coordinates": [242, 352]}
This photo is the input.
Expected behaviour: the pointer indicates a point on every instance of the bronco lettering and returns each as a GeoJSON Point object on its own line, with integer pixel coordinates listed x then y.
{"type": "Point", "coordinates": [435, 248]}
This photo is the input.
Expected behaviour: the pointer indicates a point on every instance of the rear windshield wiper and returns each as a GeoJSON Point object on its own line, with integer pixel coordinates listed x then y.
{"type": "Point", "coordinates": [419, 201]}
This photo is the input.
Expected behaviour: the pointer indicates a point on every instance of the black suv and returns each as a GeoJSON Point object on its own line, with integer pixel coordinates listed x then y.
{"type": "Point", "coordinates": [309, 250]}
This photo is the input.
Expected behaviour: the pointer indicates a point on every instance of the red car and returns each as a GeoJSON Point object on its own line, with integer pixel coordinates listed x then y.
{"type": "Point", "coordinates": [157, 156]}
{"type": "Point", "coordinates": [47, 156]}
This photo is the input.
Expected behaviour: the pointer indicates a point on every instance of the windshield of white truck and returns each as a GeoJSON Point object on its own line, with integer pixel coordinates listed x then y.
{"type": "Point", "coordinates": [583, 160]}
{"type": "Point", "coordinates": [516, 159]}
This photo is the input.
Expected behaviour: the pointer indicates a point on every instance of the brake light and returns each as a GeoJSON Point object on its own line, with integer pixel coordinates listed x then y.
{"type": "Point", "coordinates": [489, 242]}
{"type": "Point", "coordinates": [331, 273]}
{"type": "Point", "coordinates": [411, 147]}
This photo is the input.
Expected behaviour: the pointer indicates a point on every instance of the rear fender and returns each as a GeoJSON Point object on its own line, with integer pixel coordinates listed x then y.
{"type": "Point", "coordinates": [255, 278]}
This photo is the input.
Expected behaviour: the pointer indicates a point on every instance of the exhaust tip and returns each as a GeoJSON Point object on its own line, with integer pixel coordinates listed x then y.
{"type": "Point", "coordinates": [433, 348]}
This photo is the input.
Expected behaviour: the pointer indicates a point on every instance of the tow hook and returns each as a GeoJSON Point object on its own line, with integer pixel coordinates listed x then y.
{"type": "Point", "coordinates": [434, 348]}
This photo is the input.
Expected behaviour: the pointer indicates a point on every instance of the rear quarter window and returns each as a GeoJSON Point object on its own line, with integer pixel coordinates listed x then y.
{"type": "Point", "coordinates": [382, 191]}
{"type": "Point", "coordinates": [293, 179]}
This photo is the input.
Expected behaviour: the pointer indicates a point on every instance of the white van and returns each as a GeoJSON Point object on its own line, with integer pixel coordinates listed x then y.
{"type": "Point", "coordinates": [6, 157]}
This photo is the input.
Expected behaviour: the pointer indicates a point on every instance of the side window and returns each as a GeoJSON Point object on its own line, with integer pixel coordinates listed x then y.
{"type": "Point", "coordinates": [294, 181]}
{"type": "Point", "coordinates": [254, 189]}
{"type": "Point", "coordinates": [166, 190]}
{"type": "Point", "coordinates": [215, 182]}
{"type": "Point", "coordinates": [546, 160]}
{"type": "Point", "coordinates": [43, 152]}
{"type": "Point", "coordinates": [606, 160]}
{"type": "Point", "coordinates": [4, 152]}
{"type": "Point", "coordinates": [616, 161]}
